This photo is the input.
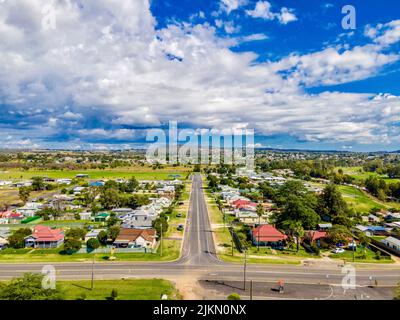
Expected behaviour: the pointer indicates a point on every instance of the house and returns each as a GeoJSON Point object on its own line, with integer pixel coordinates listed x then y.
{"type": "Point", "coordinates": [96, 183]}
{"type": "Point", "coordinates": [85, 215]}
{"type": "Point", "coordinates": [268, 235]}
{"type": "Point", "coordinates": [392, 243]}
{"type": "Point", "coordinates": [372, 230]}
{"type": "Point", "coordinates": [92, 234]}
{"type": "Point", "coordinates": [139, 219]}
{"type": "Point", "coordinates": [30, 209]}
{"type": "Point", "coordinates": [324, 226]}
{"type": "Point", "coordinates": [393, 216]}
{"type": "Point", "coordinates": [315, 236]}
{"type": "Point", "coordinates": [44, 237]}
{"type": "Point", "coordinates": [9, 217]}
{"type": "Point", "coordinates": [64, 181]}
{"type": "Point", "coordinates": [78, 190]}
{"type": "Point", "coordinates": [5, 182]}
{"type": "Point", "coordinates": [128, 238]}
{"type": "Point", "coordinates": [102, 217]}
{"type": "Point", "coordinates": [372, 218]}
{"type": "Point", "coordinates": [251, 218]}
{"type": "Point", "coordinates": [82, 176]}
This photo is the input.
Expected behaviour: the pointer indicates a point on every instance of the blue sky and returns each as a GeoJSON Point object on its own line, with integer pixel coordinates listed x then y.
{"type": "Point", "coordinates": [100, 74]}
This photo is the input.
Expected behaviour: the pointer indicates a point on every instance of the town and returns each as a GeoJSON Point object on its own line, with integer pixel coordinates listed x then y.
{"type": "Point", "coordinates": [295, 208]}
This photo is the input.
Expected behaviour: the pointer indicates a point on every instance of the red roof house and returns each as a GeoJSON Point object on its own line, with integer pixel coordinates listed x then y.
{"type": "Point", "coordinates": [267, 235]}
{"type": "Point", "coordinates": [243, 204]}
{"type": "Point", "coordinates": [313, 235]}
{"type": "Point", "coordinates": [44, 237]}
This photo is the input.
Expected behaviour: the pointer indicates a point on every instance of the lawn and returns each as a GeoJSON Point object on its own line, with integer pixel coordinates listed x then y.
{"type": "Point", "coordinates": [127, 289]}
{"type": "Point", "coordinates": [146, 174]}
{"type": "Point", "coordinates": [358, 200]}
{"type": "Point", "coordinates": [362, 202]}
{"type": "Point", "coordinates": [370, 256]}
{"type": "Point", "coordinates": [358, 174]}
{"type": "Point", "coordinates": [171, 250]}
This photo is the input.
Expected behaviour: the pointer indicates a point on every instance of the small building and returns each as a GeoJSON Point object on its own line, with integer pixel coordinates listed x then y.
{"type": "Point", "coordinates": [102, 217]}
{"type": "Point", "coordinates": [373, 218]}
{"type": "Point", "coordinates": [30, 209]}
{"type": "Point", "coordinates": [93, 234]}
{"type": "Point", "coordinates": [82, 176]}
{"type": "Point", "coordinates": [44, 237]}
{"type": "Point", "coordinates": [392, 243]}
{"type": "Point", "coordinates": [128, 238]}
{"type": "Point", "coordinates": [315, 237]}
{"type": "Point", "coordinates": [96, 183]}
{"type": "Point", "coordinates": [85, 215]}
{"type": "Point", "coordinates": [372, 230]}
{"type": "Point", "coordinates": [268, 235]}
{"type": "Point", "coordinates": [324, 226]}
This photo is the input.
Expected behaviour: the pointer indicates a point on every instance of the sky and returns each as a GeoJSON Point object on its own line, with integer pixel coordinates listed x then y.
{"type": "Point", "coordinates": [99, 74]}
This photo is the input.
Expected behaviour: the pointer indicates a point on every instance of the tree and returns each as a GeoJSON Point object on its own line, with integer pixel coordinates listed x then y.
{"type": "Point", "coordinates": [102, 237]}
{"type": "Point", "coordinates": [76, 233]}
{"type": "Point", "coordinates": [72, 245]}
{"type": "Point", "coordinates": [93, 243]}
{"type": "Point", "coordinates": [296, 230]}
{"type": "Point", "coordinates": [113, 232]}
{"type": "Point", "coordinates": [160, 222]}
{"type": "Point", "coordinates": [24, 193]}
{"type": "Point", "coordinates": [338, 234]}
{"type": "Point", "coordinates": [331, 202]}
{"type": "Point", "coordinates": [260, 213]}
{"type": "Point", "coordinates": [29, 287]}
{"type": "Point", "coordinates": [298, 209]}
{"type": "Point", "coordinates": [109, 198]}
{"type": "Point", "coordinates": [38, 184]}
{"type": "Point", "coordinates": [17, 239]}
{"type": "Point", "coordinates": [132, 185]}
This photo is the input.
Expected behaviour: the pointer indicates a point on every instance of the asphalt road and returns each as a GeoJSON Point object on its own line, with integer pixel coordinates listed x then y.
{"type": "Point", "coordinates": [199, 262]}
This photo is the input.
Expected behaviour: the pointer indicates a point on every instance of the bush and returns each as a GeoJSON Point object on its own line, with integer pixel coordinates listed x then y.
{"type": "Point", "coordinates": [234, 296]}
{"type": "Point", "coordinates": [72, 245]}
{"type": "Point", "coordinates": [93, 243]}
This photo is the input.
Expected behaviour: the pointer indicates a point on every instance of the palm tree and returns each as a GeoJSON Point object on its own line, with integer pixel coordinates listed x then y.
{"type": "Point", "coordinates": [298, 230]}
{"type": "Point", "coordinates": [260, 213]}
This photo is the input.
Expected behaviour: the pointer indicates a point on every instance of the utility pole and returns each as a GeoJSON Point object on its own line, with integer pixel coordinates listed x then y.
{"type": "Point", "coordinates": [251, 289]}
{"type": "Point", "coordinates": [92, 283]}
{"type": "Point", "coordinates": [244, 269]}
{"type": "Point", "coordinates": [161, 242]}
{"type": "Point", "coordinates": [353, 243]}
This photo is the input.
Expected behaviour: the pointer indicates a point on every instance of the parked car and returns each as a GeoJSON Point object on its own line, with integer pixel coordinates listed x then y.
{"type": "Point", "coordinates": [338, 250]}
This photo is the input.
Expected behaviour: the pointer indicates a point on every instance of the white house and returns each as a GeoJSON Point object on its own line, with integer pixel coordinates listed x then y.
{"type": "Point", "coordinates": [30, 209]}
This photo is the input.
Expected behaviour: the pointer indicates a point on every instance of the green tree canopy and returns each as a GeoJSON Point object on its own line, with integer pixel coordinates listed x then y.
{"type": "Point", "coordinates": [29, 287]}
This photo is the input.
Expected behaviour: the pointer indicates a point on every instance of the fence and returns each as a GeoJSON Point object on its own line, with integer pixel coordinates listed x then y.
{"type": "Point", "coordinates": [118, 250]}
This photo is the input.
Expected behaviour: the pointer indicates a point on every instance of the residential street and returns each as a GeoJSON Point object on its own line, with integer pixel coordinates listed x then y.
{"type": "Point", "coordinates": [199, 262]}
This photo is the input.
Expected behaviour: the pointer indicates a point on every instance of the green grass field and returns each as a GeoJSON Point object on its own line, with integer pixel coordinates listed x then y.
{"type": "Point", "coordinates": [362, 202]}
{"type": "Point", "coordinates": [370, 256]}
{"type": "Point", "coordinates": [171, 250]}
{"type": "Point", "coordinates": [358, 174]}
{"type": "Point", "coordinates": [96, 174]}
{"type": "Point", "coordinates": [128, 289]}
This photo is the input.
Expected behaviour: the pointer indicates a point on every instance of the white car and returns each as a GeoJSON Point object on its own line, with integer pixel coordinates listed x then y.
{"type": "Point", "coordinates": [338, 250]}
